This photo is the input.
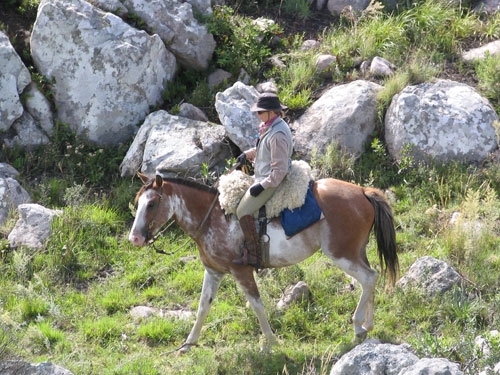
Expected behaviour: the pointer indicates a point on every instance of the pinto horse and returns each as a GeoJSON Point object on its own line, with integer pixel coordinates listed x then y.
{"type": "Point", "coordinates": [350, 212]}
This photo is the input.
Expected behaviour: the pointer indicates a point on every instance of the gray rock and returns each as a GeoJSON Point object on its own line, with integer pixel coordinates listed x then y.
{"type": "Point", "coordinates": [14, 77]}
{"type": "Point", "coordinates": [445, 120]}
{"type": "Point", "coordinates": [107, 74]}
{"type": "Point", "coordinates": [345, 114]}
{"type": "Point", "coordinates": [24, 368]}
{"type": "Point", "coordinates": [431, 275]}
{"type": "Point", "coordinates": [33, 227]}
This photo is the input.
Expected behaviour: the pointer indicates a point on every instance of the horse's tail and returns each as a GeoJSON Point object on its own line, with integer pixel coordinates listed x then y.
{"type": "Point", "coordinates": [385, 234]}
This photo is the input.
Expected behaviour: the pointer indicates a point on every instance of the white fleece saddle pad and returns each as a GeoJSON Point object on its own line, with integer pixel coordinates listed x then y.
{"type": "Point", "coordinates": [291, 193]}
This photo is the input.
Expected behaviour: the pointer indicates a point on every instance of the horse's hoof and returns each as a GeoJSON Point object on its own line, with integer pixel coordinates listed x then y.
{"type": "Point", "coordinates": [360, 337]}
{"type": "Point", "coordinates": [184, 348]}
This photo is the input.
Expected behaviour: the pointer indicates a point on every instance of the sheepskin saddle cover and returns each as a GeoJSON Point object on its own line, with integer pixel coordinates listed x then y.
{"type": "Point", "coordinates": [291, 193]}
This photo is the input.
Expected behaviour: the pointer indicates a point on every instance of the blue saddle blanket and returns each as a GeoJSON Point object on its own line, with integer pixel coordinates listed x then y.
{"type": "Point", "coordinates": [293, 221]}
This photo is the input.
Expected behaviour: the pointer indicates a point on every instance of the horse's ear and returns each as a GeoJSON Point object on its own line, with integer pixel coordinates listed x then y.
{"type": "Point", "coordinates": [143, 177]}
{"type": "Point", "coordinates": [158, 181]}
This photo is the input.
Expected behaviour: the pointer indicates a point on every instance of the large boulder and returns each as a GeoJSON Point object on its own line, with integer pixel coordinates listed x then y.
{"type": "Point", "coordinates": [14, 77]}
{"type": "Point", "coordinates": [444, 120]}
{"type": "Point", "coordinates": [174, 22]}
{"type": "Point", "coordinates": [345, 114]}
{"type": "Point", "coordinates": [233, 106]}
{"type": "Point", "coordinates": [375, 358]}
{"type": "Point", "coordinates": [173, 145]}
{"type": "Point", "coordinates": [106, 75]}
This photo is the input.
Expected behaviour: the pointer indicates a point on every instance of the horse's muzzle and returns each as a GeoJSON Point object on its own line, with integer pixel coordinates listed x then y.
{"type": "Point", "coordinates": [137, 239]}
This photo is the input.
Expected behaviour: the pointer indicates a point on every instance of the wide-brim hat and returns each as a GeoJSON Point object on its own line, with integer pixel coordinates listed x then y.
{"type": "Point", "coordinates": [268, 101]}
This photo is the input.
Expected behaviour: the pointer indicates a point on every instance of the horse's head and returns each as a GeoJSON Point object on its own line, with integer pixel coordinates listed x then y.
{"type": "Point", "coordinates": [151, 213]}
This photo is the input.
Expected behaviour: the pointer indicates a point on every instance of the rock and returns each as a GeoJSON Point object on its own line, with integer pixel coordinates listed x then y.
{"type": "Point", "coordinates": [431, 275]}
{"type": "Point", "coordinates": [374, 358]}
{"type": "Point", "coordinates": [325, 64]}
{"type": "Point", "coordinates": [445, 120]}
{"type": "Point", "coordinates": [191, 112]}
{"type": "Point", "coordinates": [176, 25]}
{"type": "Point", "coordinates": [172, 145]}
{"type": "Point", "coordinates": [336, 7]}
{"type": "Point", "coordinates": [233, 106]}
{"type": "Point", "coordinates": [11, 196]}
{"type": "Point", "coordinates": [24, 368]}
{"type": "Point", "coordinates": [218, 78]}
{"type": "Point", "coordinates": [106, 74]}
{"type": "Point", "coordinates": [345, 114]}
{"type": "Point", "coordinates": [33, 227]}
{"type": "Point", "coordinates": [14, 77]}
{"type": "Point", "coordinates": [475, 54]}
{"type": "Point", "coordinates": [294, 293]}
{"type": "Point", "coordinates": [380, 67]}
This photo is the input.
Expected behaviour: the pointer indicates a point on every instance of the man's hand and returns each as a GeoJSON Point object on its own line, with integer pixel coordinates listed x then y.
{"type": "Point", "coordinates": [256, 189]}
{"type": "Point", "coordinates": [240, 161]}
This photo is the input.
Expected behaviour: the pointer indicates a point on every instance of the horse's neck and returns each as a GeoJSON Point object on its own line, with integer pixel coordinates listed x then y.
{"type": "Point", "coordinates": [192, 208]}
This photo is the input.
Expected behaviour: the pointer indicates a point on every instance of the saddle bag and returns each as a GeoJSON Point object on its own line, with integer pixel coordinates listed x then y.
{"type": "Point", "coordinates": [298, 219]}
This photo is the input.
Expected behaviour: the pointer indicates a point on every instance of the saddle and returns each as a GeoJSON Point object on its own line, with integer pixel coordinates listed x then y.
{"type": "Point", "coordinates": [293, 202]}
{"type": "Point", "coordinates": [290, 194]}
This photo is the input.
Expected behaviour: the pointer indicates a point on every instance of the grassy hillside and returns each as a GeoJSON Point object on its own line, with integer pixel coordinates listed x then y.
{"type": "Point", "coordinates": [69, 303]}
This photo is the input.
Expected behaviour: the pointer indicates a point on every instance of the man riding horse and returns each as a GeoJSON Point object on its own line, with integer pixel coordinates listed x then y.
{"type": "Point", "coordinates": [271, 158]}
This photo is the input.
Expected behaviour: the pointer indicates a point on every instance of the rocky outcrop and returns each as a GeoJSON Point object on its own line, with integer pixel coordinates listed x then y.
{"type": "Point", "coordinates": [444, 120]}
{"type": "Point", "coordinates": [345, 114]}
{"type": "Point", "coordinates": [168, 144]}
{"type": "Point", "coordinates": [106, 75]}
{"type": "Point", "coordinates": [374, 358]}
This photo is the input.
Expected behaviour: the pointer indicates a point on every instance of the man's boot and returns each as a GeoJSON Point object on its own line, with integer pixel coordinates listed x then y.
{"type": "Point", "coordinates": [251, 247]}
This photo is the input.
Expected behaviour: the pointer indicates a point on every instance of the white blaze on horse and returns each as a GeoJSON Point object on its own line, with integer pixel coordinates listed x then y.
{"type": "Point", "coordinates": [350, 212]}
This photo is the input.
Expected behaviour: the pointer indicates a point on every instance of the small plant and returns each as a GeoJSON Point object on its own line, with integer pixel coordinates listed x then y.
{"type": "Point", "coordinates": [102, 330]}
{"type": "Point", "coordinates": [488, 73]}
{"type": "Point", "coordinates": [335, 163]}
{"type": "Point", "coordinates": [158, 331]}
{"type": "Point", "coordinates": [32, 308]}
{"type": "Point", "coordinates": [241, 43]}
{"type": "Point", "coordinates": [297, 8]}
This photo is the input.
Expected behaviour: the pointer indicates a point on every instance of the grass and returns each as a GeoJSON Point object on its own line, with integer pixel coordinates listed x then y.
{"type": "Point", "coordinates": [69, 302]}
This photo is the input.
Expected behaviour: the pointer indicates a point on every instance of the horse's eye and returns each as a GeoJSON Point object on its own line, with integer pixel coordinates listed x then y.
{"type": "Point", "coordinates": [151, 204]}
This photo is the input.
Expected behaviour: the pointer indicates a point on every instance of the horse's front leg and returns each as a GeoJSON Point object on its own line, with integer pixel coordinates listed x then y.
{"type": "Point", "coordinates": [211, 283]}
{"type": "Point", "coordinates": [245, 278]}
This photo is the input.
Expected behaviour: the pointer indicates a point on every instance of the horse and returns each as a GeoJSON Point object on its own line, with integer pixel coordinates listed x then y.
{"type": "Point", "coordinates": [350, 213]}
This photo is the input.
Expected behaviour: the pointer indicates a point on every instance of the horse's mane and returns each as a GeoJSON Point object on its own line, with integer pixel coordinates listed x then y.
{"type": "Point", "coordinates": [179, 181]}
{"type": "Point", "coordinates": [191, 183]}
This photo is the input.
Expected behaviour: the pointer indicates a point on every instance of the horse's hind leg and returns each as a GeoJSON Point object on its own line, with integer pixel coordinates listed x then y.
{"type": "Point", "coordinates": [211, 283]}
{"type": "Point", "coordinates": [245, 278]}
{"type": "Point", "coordinates": [367, 277]}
